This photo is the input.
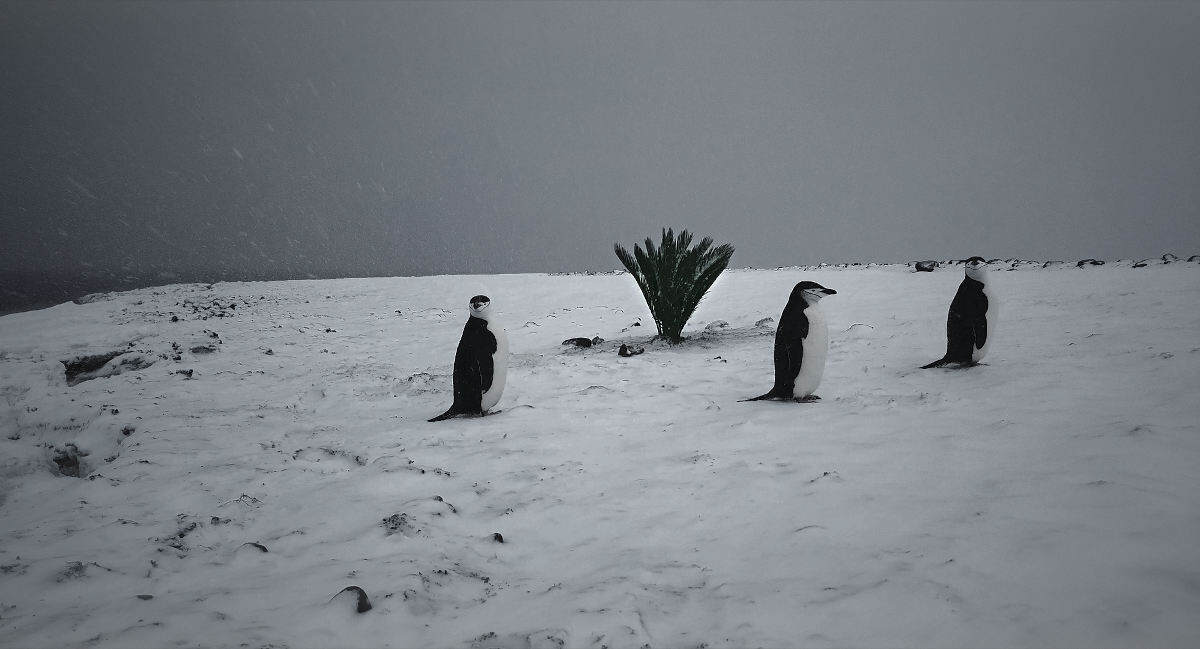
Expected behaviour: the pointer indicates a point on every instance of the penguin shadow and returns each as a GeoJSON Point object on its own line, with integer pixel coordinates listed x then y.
{"type": "Point", "coordinates": [714, 337]}
{"type": "Point", "coordinates": [809, 399]}
{"type": "Point", "coordinates": [947, 368]}
{"type": "Point", "coordinates": [953, 367]}
{"type": "Point", "coordinates": [499, 409]}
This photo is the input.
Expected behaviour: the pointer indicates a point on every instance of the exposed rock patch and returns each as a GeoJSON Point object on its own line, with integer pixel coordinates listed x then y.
{"type": "Point", "coordinates": [95, 366]}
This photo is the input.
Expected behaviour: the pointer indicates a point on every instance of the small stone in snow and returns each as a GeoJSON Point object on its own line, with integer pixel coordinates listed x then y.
{"type": "Point", "coordinates": [358, 598]}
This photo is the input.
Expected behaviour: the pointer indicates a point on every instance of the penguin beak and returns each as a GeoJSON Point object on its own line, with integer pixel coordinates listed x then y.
{"type": "Point", "coordinates": [814, 294]}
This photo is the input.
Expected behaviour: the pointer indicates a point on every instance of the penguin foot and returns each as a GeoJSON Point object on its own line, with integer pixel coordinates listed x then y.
{"type": "Point", "coordinates": [807, 398]}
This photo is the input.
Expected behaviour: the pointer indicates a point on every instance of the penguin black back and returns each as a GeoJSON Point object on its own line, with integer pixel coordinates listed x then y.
{"type": "Point", "coordinates": [795, 345]}
{"type": "Point", "coordinates": [474, 363]}
{"type": "Point", "coordinates": [967, 319]}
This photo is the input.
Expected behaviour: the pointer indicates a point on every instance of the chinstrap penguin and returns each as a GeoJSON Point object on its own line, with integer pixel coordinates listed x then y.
{"type": "Point", "coordinates": [801, 344]}
{"type": "Point", "coordinates": [971, 322]}
{"type": "Point", "coordinates": [480, 364]}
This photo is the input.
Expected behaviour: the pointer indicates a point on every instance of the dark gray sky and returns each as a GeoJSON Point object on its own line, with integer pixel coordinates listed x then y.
{"type": "Point", "coordinates": [177, 140]}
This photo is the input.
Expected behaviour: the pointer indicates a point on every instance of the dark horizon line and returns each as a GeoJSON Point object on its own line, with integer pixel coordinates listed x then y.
{"type": "Point", "coordinates": [47, 288]}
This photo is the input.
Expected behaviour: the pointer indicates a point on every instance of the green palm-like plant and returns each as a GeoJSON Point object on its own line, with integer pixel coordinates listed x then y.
{"type": "Point", "coordinates": [674, 276]}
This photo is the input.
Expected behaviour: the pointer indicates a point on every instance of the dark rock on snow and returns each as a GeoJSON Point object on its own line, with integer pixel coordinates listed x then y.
{"type": "Point", "coordinates": [67, 459]}
{"type": "Point", "coordinates": [628, 351]}
{"type": "Point", "coordinates": [81, 365]}
{"type": "Point", "coordinates": [356, 597]}
{"type": "Point", "coordinates": [583, 342]}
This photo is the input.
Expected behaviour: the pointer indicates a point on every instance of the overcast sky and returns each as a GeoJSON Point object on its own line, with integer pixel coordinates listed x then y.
{"type": "Point", "coordinates": [266, 139]}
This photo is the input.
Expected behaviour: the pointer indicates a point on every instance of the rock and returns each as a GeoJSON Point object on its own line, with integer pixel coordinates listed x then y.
{"type": "Point", "coordinates": [718, 324]}
{"type": "Point", "coordinates": [81, 365]}
{"type": "Point", "coordinates": [74, 570]}
{"type": "Point", "coordinates": [67, 459]}
{"type": "Point", "coordinates": [354, 596]}
{"type": "Point", "coordinates": [628, 351]}
{"type": "Point", "coordinates": [1088, 262]}
{"type": "Point", "coordinates": [583, 342]}
{"type": "Point", "coordinates": [400, 523]}
{"type": "Point", "coordinates": [926, 266]}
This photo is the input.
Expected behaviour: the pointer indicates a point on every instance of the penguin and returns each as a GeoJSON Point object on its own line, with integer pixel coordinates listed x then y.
{"type": "Point", "coordinates": [971, 322]}
{"type": "Point", "coordinates": [480, 364]}
{"type": "Point", "coordinates": [801, 343]}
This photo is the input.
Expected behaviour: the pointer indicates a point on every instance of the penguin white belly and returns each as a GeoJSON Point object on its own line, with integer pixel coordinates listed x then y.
{"type": "Point", "coordinates": [993, 311]}
{"type": "Point", "coordinates": [816, 347]}
{"type": "Point", "coordinates": [499, 368]}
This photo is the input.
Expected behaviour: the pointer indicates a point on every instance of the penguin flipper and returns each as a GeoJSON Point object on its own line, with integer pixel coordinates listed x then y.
{"type": "Point", "coordinates": [980, 331]}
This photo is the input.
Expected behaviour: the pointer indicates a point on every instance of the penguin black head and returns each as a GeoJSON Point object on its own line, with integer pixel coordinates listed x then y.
{"type": "Point", "coordinates": [810, 292]}
{"type": "Point", "coordinates": [976, 268]}
{"type": "Point", "coordinates": [479, 306]}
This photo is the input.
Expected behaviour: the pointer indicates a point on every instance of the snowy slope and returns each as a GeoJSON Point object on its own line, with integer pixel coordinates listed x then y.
{"type": "Point", "coordinates": [1047, 498]}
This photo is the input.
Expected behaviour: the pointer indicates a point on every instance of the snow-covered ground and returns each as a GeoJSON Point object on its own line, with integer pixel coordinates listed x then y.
{"type": "Point", "coordinates": [263, 446]}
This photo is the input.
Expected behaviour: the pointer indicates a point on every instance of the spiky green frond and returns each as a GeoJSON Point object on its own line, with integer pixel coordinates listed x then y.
{"type": "Point", "coordinates": [674, 276]}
